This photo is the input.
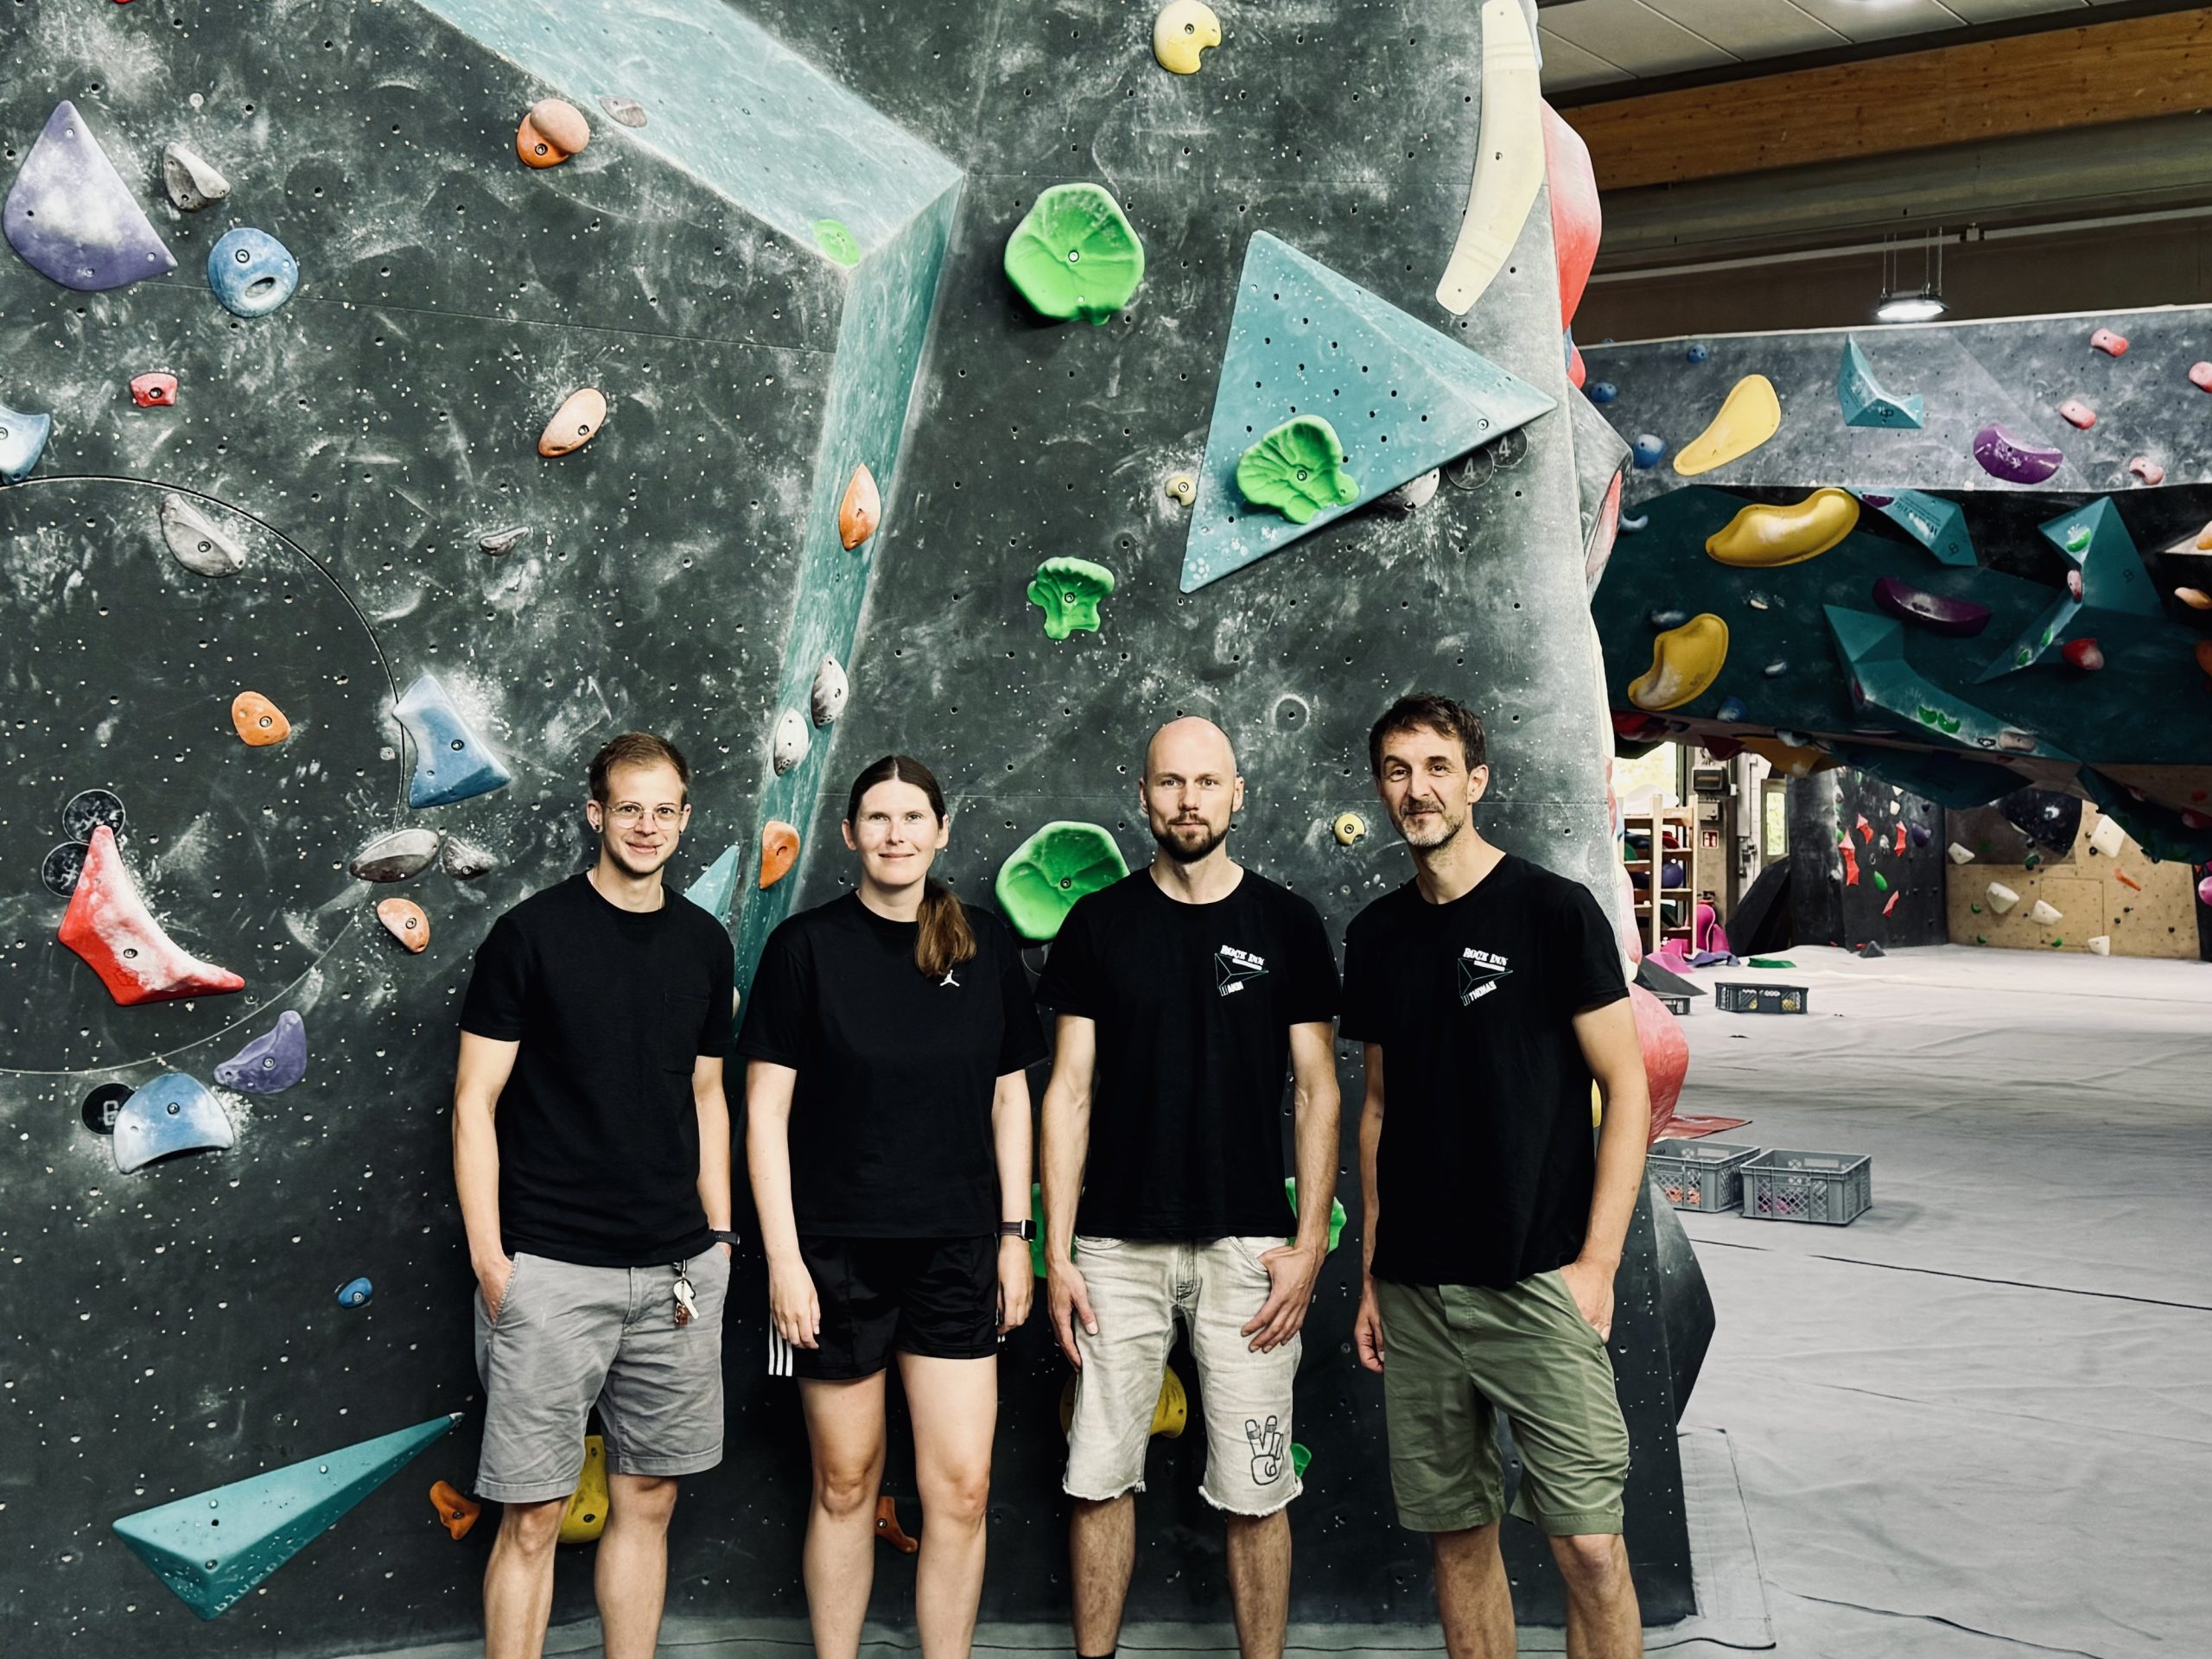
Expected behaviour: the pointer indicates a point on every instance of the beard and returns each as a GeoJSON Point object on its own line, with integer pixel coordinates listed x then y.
{"type": "Point", "coordinates": [1429, 829]}
{"type": "Point", "coordinates": [1182, 850]}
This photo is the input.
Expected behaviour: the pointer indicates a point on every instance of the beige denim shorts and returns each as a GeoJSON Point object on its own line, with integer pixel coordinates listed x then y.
{"type": "Point", "coordinates": [1139, 1288]}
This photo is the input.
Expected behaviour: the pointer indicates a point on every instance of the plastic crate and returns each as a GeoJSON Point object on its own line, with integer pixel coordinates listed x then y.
{"type": "Point", "coordinates": [1700, 1174]}
{"type": "Point", "coordinates": [1760, 999]}
{"type": "Point", "coordinates": [1675, 1002]}
{"type": "Point", "coordinates": [1832, 1189]}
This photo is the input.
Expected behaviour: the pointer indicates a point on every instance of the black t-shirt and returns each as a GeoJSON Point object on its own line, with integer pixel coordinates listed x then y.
{"type": "Point", "coordinates": [891, 1117]}
{"type": "Point", "coordinates": [599, 1135]}
{"type": "Point", "coordinates": [1194, 1005]}
{"type": "Point", "coordinates": [1486, 1165]}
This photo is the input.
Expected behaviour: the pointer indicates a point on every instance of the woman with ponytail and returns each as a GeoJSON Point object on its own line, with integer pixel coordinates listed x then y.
{"type": "Point", "coordinates": [887, 1131]}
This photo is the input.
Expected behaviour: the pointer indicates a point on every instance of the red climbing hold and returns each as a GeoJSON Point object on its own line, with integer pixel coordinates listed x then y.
{"type": "Point", "coordinates": [1892, 905]}
{"type": "Point", "coordinates": [2110, 344]}
{"type": "Point", "coordinates": [109, 926]}
{"type": "Point", "coordinates": [1865, 830]}
{"type": "Point", "coordinates": [2085, 655]}
{"type": "Point", "coordinates": [1666, 1054]}
{"type": "Point", "coordinates": [1850, 861]}
{"type": "Point", "coordinates": [154, 390]}
{"type": "Point", "coordinates": [2204, 655]}
{"type": "Point", "coordinates": [1576, 222]}
{"type": "Point", "coordinates": [1900, 849]}
{"type": "Point", "coordinates": [2200, 376]}
{"type": "Point", "coordinates": [2078, 413]}
{"type": "Point", "coordinates": [888, 1530]}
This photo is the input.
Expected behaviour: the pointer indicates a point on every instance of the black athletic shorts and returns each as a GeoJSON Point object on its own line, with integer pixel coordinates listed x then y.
{"type": "Point", "coordinates": [935, 1297]}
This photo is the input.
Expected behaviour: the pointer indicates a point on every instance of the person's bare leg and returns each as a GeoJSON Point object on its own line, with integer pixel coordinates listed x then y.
{"type": "Point", "coordinates": [1102, 1551]}
{"type": "Point", "coordinates": [844, 1425]}
{"type": "Point", "coordinates": [954, 1404]}
{"type": "Point", "coordinates": [631, 1574]}
{"type": "Point", "coordinates": [518, 1580]}
{"type": "Point", "coordinates": [1474, 1600]}
{"type": "Point", "coordinates": [1603, 1619]}
{"type": "Point", "coordinates": [1259, 1581]}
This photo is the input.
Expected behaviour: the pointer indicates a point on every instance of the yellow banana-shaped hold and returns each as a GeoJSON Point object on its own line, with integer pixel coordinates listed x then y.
{"type": "Point", "coordinates": [1760, 538]}
{"type": "Point", "coordinates": [1508, 157]}
{"type": "Point", "coordinates": [1793, 759]}
{"type": "Point", "coordinates": [1183, 30]}
{"type": "Point", "coordinates": [1750, 415]}
{"type": "Point", "coordinates": [1685, 662]}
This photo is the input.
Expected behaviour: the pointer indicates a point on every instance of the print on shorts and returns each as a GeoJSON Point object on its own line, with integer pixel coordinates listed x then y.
{"type": "Point", "coordinates": [1479, 972]}
{"type": "Point", "coordinates": [1267, 1450]}
{"type": "Point", "coordinates": [1232, 967]}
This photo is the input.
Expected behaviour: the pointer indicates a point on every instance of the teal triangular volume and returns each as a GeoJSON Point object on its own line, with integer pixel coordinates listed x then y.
{"type": "Point", "coordinates": [1872, 649]}
{"type": "Point", "coordinates": [716, 886]}
{"type": "Point", "coordinates": [214, 1548]}
{"type": "Point", "coordinates": [1936, 524]}
{"type": "Point", "coordinates": [1865, 400]}
{"type": "Point", "coordinates": [1306, 341]}
{"type": "Point", "coordinates": [2113, 576]}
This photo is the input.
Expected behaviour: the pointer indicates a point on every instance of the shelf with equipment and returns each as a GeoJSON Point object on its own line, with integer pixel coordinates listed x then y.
{"type": "Point", "coordinates": [1664, 835]}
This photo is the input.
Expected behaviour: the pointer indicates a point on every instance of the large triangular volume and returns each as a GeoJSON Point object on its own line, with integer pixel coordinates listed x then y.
{"type": "Point", "coordinates": [1305, 341]}
{"type": "Point", "coordinates": [212, 1550]}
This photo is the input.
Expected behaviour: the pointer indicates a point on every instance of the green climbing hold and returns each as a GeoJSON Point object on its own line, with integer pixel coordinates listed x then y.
{"type": "Point", "coordinates": [1040, 883]}
{"type": "Point", "coordinates": [1075, 254]}
{"type": "Point", "coordinates": [836, 241]}
{"type": "Point", "coordinates": [1772, 962]}
{"type": "Point", "coordinates": [1976, 909]}
{"type": "Point", "coordinates": [1299, 1457]}
{"type": "Point", "coordinates": [1069, 591]}
{"type": "Point", "coordinates": [1335, 1210]}
{"type": "Point", "coordinates": [1298, 469]}
{"type": "Point", "coordinates": [1881, 882]}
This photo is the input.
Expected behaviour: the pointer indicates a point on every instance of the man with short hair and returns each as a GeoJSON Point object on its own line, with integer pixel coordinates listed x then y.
{"type": "Point", "coordinates": [1489, 993]}
{"type": "Point", "coordinates": [592, 1152]}
{"type": "Point", "coordinates": [1184, 993]}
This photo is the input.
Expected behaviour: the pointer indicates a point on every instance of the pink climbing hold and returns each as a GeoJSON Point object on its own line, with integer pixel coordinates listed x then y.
{"type": "Point", "coordinates": [1666, 1054]}
{"type": "Point", "coordinates": [108, 924]}
{"type": "Point", "coordinates": [2078, 413]}
{"type": "Point", "coordinates": [2200, 376]}
{"type": "Point", "coordinates": [1576, 223]}
{"type": "Point", "coordinates": [2147, 469]}
{"type": "Point", "coordinates": [2110, 344]}
{"type": "Point", "coordinates": [2204, 891]}
{"type": "Point", "coordinates": [154, 390]}
{"type": "Point", "coordinates": [2085, 654]}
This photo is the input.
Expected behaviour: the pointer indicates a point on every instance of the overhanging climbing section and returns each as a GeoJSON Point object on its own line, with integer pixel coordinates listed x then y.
{"type": "Point", "coordinates": [1308, 346]}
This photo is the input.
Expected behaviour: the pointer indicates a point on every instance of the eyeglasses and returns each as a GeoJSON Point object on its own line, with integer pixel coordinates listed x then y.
{"type": "Point", "coordinates": [666, 817]}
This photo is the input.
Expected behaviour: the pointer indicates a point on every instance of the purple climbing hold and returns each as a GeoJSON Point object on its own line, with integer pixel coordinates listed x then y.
{"type": "Point", "coordinates": [2002, 456]}
{"type": "Point", "coordinates": [271, 1063]}
{"type": "Point", "coordinates": [1960, 617]}
{"type": "Point", "coordinates": [1917, 833]}
{"type": "Point", "coordinates": [71, 216]}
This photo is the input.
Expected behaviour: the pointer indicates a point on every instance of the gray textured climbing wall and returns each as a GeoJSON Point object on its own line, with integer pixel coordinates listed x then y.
{"type": "Point", "coordinates": [748, 278]}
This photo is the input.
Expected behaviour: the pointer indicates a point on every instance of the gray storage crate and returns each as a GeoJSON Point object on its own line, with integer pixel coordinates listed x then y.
{"type": "Point", "coordinates": [1700, 1174]}
{"type": "Point", "coordinates": [1832, 1188]}
{"type": "Point", "coordinates": [1734, 997]}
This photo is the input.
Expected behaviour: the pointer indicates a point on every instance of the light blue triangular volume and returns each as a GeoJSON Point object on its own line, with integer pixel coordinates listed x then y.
{"type": "Point", "coordinates": [1865, 400]}
{"type": "Point", "coordinates": [1307, 341]}
{"type": "Point", "coordinates": [213, 1550]}
{"type": "Point", "coordinates": [451, 763]}
{"type": "Point", "coordinates": [716, 886]}
{"type": "Point", "coordinates": [1936, 524]}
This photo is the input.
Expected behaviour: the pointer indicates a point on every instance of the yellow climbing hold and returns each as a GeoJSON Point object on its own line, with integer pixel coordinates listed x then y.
{"type": "Point", "coordinates": [1350, 828]}
{"type": "Point", "coordinates": [1749, 415]}
{"type": "Point", "coordinates": [1183, 30]}
{"type": "Point", "coordinates": [1181, 488]}
{"type": "Point", "coordinates": [586, 1515]}
{"type": "Point", "coordinates": [1685, 662]}
{"type": "Point", "coordinates": [1760, 538]}
{"type": "Point", "coordinates": [1171, 1411]}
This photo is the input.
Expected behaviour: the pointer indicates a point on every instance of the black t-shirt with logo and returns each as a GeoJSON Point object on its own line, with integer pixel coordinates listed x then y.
{"type": "Point", "coordinates": [891, 1117]}
{"type": "Point", "coordinates": [598, 1131]}
{"type": "Point", "coordinates": [1194, 1005]}
{"type": "Point", "coordinates": [1485, 1167]}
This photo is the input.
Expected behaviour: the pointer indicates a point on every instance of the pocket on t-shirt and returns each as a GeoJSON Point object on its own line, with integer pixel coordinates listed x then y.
{"type": "Point", "coordinates": [683, 1014]}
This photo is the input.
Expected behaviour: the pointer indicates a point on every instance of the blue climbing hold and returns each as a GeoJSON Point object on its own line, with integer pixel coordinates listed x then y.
{"type": "Point", "coordinates": [451, 763]}
{"type": "Point", "coordinates": [1304, 336]}
{"type": "Point", "coordinates": [213, 1548]}
{"type": "Point", "coordinates": [172, 1114]}
{"type": "Point", "coordinates": [716, 886]}
{"type": "Point", "coordinates": [72, 217]}
{"type": "Point", "coordinates": [272, 1061]}
{"type": "Point", "coordinates": [1630, 526]}
{"type": "Point", "coordinates": [1864, 399]}
{"type": "Point", "coordinates": [22, 440]}
{"type": "Point", "coordinates": [1936, 524]}
{"type": "Point", "coordinates": [1697, 353]}
{"type": "Point", "coordinates": [355, 1292]}
{"type": "Point", "coordinates": [1731, 709]}
{"type": "Point", "coordinates": [1648, 447]}
{"type": "Point", "coordinates": [1603, 391]}
{"type": "Point", "coordinates": [1668, 617]}
{"type": "Point", "coordinates": [252, 272]}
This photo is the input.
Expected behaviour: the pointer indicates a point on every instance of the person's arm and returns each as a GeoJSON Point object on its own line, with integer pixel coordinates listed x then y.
{"type": "Point", "coordinates": [1010, 1132]}
{"type": "Point", "coordinates": [1066, 1136]}
{"type": "Point", "coordinates": [1318, 1117]}
{"type": "Point", "coordinates": [712, 1107]}
{"type": "Point", "coordinates": [484, 1067]}
{"type": "Point", "coordinates": [792, 1305]}
{"type": "Point", "coordinates": [1607, 1035]}
{"type": "Point", "coordinates": [1367, 1329]}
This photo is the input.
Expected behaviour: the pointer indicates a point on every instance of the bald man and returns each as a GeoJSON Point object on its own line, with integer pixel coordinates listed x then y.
{"type": "Point", "coordinates": [1185, 993]}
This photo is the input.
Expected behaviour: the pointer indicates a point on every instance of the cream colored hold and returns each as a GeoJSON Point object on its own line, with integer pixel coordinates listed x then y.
{"type": "Point", "coordinates": [575, 425]}
{"type": "Point", "coordinates": [1509, 158]}
{"type": "Point", "coordinates": [1181, 32]}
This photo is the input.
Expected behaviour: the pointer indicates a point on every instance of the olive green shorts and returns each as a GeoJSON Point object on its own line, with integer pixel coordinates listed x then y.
{"type": "Point", "coordinates": [1456, 1356]}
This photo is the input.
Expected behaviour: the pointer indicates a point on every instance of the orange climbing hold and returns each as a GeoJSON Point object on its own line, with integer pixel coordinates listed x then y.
{"type": "Point", "coordinates": [2196, 598]}
{"type": "Point", "coordinates": [404, 920]}
{"type": "Point", "coordinates": [575, 424]}
{"type": "Point", "coordinates": [259, 721]}
{"type": "Point", "coordinates": [861, 510]}
{"type": "Point", "coordinates": [2126, 879]}
{"type": "Point", "coordinates": [888, 1527]}
{"type": "Point", "coordinates": [778, 852]}
{"type": "Point", "coordinates": [553, 131]}
{"type": "Point", "coordinates": [457, 1513]}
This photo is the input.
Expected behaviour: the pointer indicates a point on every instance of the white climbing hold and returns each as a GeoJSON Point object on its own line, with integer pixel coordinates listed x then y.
{"type": "Point", "coordinates": [1959, 855]}
{"type": "Point", "coordinates": [2101, 945]}
{"type": "Point", "coordinates": [192, 182]}
{"type": "Point", "coordinates": [199, 546]}
{"type": "Point", "coordinates": [2108, 837]}
{"type": "Point", "coordinates": [1508, 157]}
{"type": "Point", "coordinates": [1412, 493]}
{"type": "Point", "coordinates": [793, 741]}
{"type": "Point", "coordinates": [2043, 913]}
{"type": "Point", "coordinates": [830, 690]}
{"type": "Point", "coordinates": [2002, 898]}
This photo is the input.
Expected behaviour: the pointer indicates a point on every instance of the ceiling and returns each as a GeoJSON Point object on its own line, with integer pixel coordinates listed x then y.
{"type": "Point", "coordinates": [1610, 44]}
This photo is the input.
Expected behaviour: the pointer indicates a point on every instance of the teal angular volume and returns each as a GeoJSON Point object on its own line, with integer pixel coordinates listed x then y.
{"type": "Point", "coordinates": [1402, 398]}
{"type": "Point", "coordinates": [214, 1548]}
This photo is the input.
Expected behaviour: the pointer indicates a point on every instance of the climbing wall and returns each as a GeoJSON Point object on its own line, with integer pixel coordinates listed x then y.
{"type": "Point", "coordinates": [368, 478]}
{"type": "Point", "coordinates": [1867, 863]}
{"type": "Point", "coordinates": [2098, 879]}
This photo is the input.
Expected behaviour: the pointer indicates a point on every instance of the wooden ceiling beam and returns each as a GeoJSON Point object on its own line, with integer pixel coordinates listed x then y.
{"type": "Point", "coordinates": [2061, 79]}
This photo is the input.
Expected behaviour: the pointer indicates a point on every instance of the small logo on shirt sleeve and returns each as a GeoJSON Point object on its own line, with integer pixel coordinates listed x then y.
{"type": "Point", "coordinates": [1479, 972]}
{"type": "Point", "coordinates": [1232, 968]}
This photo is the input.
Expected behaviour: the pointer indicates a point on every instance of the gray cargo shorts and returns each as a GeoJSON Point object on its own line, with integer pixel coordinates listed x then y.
{"type": "Point", "coordinates": [568, 1337]}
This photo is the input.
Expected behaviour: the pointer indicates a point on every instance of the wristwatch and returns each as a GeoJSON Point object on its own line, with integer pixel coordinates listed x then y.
{"type": "Point", "coordinates": [1025, 1230]}
{"type": "Point", "coordinates": [723, 1236]}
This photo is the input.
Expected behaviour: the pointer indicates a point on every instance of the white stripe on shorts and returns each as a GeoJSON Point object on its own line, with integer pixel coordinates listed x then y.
{"type": "Point", "coordinates": [780, 1352]}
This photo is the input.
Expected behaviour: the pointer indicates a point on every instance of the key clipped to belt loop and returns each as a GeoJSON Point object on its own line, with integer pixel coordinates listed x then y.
{"type": "Point", "coordinates": [687, 1307]}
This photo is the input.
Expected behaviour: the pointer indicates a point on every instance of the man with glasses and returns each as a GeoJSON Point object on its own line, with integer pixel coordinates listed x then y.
{"type": "Point", "coordinates": [592, 1152]}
